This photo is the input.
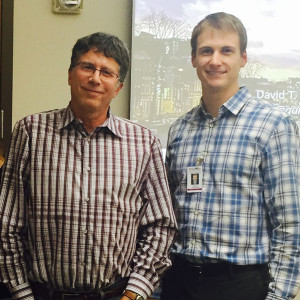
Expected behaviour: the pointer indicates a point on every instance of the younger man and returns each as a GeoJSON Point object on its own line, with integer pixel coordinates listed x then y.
{"type": "Point", "coordinates": [239, 231]}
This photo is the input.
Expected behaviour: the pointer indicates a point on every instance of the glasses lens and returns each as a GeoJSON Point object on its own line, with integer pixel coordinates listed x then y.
{"type": "Point", "coordinates": [88, 68]}
{"type": "Point", "coordinates": [106, 74]}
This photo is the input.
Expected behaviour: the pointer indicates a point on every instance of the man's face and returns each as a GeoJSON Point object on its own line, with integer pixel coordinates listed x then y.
{"type": "Point", "coordinates": [218, 60]}
{"type": "Point", "coordinates": [93, 92]}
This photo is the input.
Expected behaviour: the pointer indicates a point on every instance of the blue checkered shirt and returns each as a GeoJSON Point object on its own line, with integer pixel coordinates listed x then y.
{"type": "Point", "coordinates": [248, 211]}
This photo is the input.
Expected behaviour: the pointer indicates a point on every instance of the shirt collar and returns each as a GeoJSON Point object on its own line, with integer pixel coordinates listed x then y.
{"type": "Point", "coordinates": [237, 101]}
{"type": "Point", "coordinates": [111, 123]}
{"type": "Point", "coordinates": [234, 104]}
{"type": "Point", "coordinates": [66, 118]}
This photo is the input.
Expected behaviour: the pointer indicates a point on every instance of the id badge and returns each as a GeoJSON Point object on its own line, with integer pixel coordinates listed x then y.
{"type": "Point", "coordinates": [194, 179]}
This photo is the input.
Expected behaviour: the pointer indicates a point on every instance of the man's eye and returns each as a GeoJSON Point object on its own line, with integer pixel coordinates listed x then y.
{"type": "Point", "coordinates": [106, 73]}
{"type": "Point", "coordinates": [88, 68]}
{"type": "Point", "coordinates": [206, 51]}
{"type": "Point", "coordinates": [227, 50]}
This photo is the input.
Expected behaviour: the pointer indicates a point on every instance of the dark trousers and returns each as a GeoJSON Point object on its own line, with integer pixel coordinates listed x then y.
{"type": "Point", "coordinates": [4, 294]}
{"type": "Point", "coordinates": [222, 281]}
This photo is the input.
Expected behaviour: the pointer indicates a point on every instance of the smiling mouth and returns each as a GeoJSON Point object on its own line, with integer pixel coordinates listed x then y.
{"type": "Point", "coordinates": [92, 91]}
{"type": "Point", "coordinates": [215, 73]}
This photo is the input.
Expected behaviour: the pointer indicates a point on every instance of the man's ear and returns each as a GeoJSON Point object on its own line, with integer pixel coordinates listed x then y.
{"type": "Point", "coordinates": [244, 59]}
{"type": "Point", "coordinates": [69, 77]}
{"type": "Point", "coordinates": [193, 60]}
{"type": "Point", "coordinates": [118, 89]}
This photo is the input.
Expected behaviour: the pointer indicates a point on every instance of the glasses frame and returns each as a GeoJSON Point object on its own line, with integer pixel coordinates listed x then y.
{"type": "Point", "coordinates": [93, 69]}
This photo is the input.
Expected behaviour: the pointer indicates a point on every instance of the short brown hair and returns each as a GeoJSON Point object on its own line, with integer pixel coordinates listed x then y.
{"type": "Point", "coordinates": [222, 21]}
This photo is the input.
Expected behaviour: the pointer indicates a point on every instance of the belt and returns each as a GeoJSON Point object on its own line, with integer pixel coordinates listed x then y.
{"type": "Point", "coordinates": [215, 269]}
{"type": "Point", "coordinates": [44, 292]}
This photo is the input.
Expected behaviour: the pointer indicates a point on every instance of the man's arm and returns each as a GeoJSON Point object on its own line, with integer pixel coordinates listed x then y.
{"type": "Point", "coordinates": [13, 216]}
{"type": "Point", "coordinates": [282, 183]}
{"type": "Point", "coordinates": [157, 229]}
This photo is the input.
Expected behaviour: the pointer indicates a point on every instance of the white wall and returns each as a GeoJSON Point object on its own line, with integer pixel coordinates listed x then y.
{"type": "Point", "coordinates": [42, 51]}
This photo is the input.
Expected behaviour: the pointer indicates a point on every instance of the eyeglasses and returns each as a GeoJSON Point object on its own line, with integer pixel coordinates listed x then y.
{"type": "Point", "coordinates": [90, 69]}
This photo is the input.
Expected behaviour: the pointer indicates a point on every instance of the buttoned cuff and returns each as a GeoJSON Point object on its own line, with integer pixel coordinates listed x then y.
{"type": "Point", "coordinates": [22, 292]}
{"type": "Point", "coordinates": [272, 296]}
{"type": "Point", "coordinates": [140, 285]}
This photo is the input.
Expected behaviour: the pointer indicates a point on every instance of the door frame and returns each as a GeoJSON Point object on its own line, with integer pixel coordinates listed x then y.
{"type": "Point", "coordinates": [6, 70]}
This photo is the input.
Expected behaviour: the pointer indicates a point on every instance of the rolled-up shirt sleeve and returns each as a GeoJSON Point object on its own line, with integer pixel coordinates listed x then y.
{"type": "Point", "coordinates": [281, 168]}
{"type": "Point", "coordinates": [13, 215]}
{"type": "Point", "coordinates": [157, 230]}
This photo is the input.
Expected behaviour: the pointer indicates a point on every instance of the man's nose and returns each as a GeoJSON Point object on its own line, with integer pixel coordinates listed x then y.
{"type": "Point", "coordinates": [215, 58]}
{"type": "Point", "coordinates": [96, 76]}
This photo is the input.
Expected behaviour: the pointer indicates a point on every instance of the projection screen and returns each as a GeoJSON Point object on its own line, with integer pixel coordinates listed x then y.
{"type": "Point", "coordinates": [164, 84]}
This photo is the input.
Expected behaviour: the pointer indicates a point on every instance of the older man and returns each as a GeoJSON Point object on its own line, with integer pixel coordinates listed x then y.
{"type": "Point", "coordinates": [85, 209]}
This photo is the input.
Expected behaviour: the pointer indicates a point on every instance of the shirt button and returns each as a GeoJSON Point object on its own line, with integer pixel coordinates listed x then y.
{"type": "Point", "coordinates": [87, 199]}
{"type": "Point", "coordinates": [88, 168]}
{"type": "Point", "coordinates": [85, 231]}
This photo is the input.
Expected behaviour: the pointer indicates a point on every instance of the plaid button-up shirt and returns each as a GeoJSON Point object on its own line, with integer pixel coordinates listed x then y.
{"type": "Point", "coordinates": [248, 211]}
{"type": "Point", "coordinates": [79, 211]}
